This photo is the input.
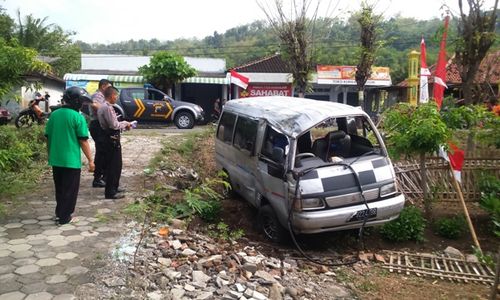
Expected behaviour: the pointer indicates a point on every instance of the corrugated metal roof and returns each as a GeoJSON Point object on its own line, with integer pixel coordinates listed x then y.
{"type": "Point", "coordinates": [291, 115]}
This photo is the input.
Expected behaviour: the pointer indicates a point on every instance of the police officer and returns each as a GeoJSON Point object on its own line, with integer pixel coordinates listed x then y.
{"type": "Point", "coordinates": [112, 147]}
{"type": "Point", "coordinates": [98, 134]}
{"type": "Point", "coordinates": [67, 132]}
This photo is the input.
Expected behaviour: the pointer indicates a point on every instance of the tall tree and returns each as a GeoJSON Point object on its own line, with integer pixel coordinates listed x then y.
{"type": "Point", "coordinates": [368, 22]}
{"type": "Point", "coordinates": [49, 40]}
{"type": "Point", "coordinates": [296, 34]}
{"type": "Point", "coordinates": [477, 34]}
{"type": "Point", "coordinates": [6, 25]}
{"type": "Point", "coordinates": [166, 69]}
{"type": "Point", "coordinates": [15, 62]}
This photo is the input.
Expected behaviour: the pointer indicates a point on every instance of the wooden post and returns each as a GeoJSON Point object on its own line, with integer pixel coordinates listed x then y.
{"type": "Point", "coordinates": [466, 211]}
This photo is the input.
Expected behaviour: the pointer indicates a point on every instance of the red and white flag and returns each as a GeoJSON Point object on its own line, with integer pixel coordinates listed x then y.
{"type": "Point", "coordinates": [239, 80]}
{"type": "Point", "coordinates": [455, 157]}
{"type": "Point", "coordinates": [424, 74]}
{"type": "Point", "coordinates": [440, 76]}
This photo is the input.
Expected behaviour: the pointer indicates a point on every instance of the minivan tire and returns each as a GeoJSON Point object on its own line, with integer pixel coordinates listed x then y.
{"type": "Point", "coordinates": [271, 226]}
{"type": "Point", "coordinates": [184, 120]}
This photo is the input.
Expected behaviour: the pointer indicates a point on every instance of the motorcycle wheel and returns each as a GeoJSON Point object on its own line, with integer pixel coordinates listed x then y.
{"type": "Point", "coordinates": [23, 120]}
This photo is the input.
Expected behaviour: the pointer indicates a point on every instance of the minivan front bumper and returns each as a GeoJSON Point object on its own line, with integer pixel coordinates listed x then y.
{"type": "Point", "coordinates": [337, 218]}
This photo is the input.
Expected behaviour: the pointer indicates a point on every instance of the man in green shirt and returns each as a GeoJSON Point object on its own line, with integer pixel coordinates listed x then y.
{"type": "Point", "coordinates": [67, 132]}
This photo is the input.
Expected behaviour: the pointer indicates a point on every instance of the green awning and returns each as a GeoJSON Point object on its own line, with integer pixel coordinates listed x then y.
{"type": "Point", "coordinates": [126, 78]}
{"type": "Point", "coordinates": [207, 80]}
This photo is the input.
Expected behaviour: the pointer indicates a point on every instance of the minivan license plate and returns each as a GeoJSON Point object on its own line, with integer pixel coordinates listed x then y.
{"type": "Point", "coordinates": [361, 214]}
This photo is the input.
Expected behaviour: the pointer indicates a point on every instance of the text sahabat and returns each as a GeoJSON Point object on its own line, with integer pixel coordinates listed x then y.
{"type": "Point", "coordinates": [260, 93]}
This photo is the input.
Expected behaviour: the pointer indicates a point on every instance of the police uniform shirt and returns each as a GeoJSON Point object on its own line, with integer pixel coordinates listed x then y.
{"type": "Point", "coordinates": [97, 98]}
{"type": "Point", "coordinates": [108, 119]}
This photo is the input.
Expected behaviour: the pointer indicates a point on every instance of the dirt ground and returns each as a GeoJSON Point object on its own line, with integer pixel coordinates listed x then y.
{"type": "Point", "coordinates": [372, 282]}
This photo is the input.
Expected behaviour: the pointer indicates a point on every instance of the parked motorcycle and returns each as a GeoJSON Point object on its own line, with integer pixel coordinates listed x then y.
{"type": "Point", "coordinates": [28, 116]}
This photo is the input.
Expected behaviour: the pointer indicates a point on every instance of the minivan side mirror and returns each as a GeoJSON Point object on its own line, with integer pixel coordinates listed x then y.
{"type": "Point", "coordinates": [278, 155]}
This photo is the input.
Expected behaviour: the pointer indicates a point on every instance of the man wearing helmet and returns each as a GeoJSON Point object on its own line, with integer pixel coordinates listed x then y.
{"type": "Point", "coordinates": [67, 133]}
{"type": "Point", "coordinates": [112, 147]}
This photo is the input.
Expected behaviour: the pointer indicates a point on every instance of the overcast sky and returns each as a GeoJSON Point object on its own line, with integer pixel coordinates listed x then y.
{"type": "Point", "coordinates": [107, 21]}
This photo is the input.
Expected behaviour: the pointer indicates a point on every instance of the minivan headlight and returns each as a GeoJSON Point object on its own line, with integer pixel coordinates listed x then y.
{"type": "Point", "coordinates": [312, 203]}
{"type": "Point", "coordinates": [198, 108]}
{"type": "Point", "coordinates": [388, 189]}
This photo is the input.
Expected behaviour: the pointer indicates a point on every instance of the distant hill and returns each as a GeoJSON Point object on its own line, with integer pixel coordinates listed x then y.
{"type": "Point", "coordinates": [336, 42]}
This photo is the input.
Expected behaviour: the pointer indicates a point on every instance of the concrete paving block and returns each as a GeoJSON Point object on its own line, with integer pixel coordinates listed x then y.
{"type": "Point", "coordinates": [67, 227]}
{"type": "Point", "coordinates": [58, 278]}
{"type": "Point", "coordinates": [30, 278]}
{"type": "Point", "coordinates": [5, 252]}
{"type": "Point", "coordinates": [48, 223]}
{"type": "Point", "coordinates": [33, 288]}
{"type": "Point", "coordinates": [5, 269]}
{"type": "Point", "coordinates": [58, 243]}
{"type": "Point", "coordinates": [3, 233]}
{"type": "Point", "coordinates": [78, 270]}
{"type": "Point", "coordinates": [27, 269]}
{"type": "Point", "coordinates": [33, 231]}
{"type": "Point", "coordinates": [13, 225]}
{"type": "Point", "coordinates": [31, 226]}
{"type": "Point", "coordinates": [45, 254]}
{"type": "Point", "coordinates": [2, 229]}
{"type": "Point", "coordinates": [12, 296]}
{"type": "Point", "coordinates": [84, 228]}
{"type": "Point", "coordinates": [103, 229]}
{"type": "Point", "coordinates": [104, 211]}
{"type": "Point", "coordinates": [92, 219]}
{"type": "Point", "coordinates": [17, 241]}
{"type": "Point", "coordinates": [5, 278]}
{"type": "Point", "coordinates": [39, 296]}
{"type": "Point", "coordinates": [74, 238]}
{"type": "Point", "coordinates": [22, 254]}
{"type": "Point", "coordinates": [65, 297]}
{"type": "Point", "coordinates": [52, 232]}
{"type": "Point", "coordinates": [53, 270]}
{"type": "Point", "coordinates": [45, 262]}
{"type": "Point", "coordinates": [89, 233]}
{"type": "Point", "coordinates": [24, 261]}
{"type": "Point", "coordinates": [36, 237]}
{"type": "Point", "coordinates": [61, 288]}
{"type": "Point", "coordinates": [30, 221]}
{"type": "Point", "coordinates": [44, 217]}
{"type": "Point", "coordinates": [37, 242]}
{"type": "Point", "coordinates": [55, 237]}
{"type": "Point", "coordinates": [66, 255]}
{"type": "Point", "coordinates": [82, 223]}
{"type": "Point", "coordinates": [19, 247]}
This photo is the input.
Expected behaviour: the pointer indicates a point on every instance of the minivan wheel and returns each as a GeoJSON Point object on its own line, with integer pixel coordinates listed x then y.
{"type": "Point", "coordinates": [271, 226]}
{"type": "Point", "coordinates": [184, 120]}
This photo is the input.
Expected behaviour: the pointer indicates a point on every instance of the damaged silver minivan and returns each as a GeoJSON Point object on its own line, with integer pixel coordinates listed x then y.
{"type": "Point", "coordinates": [308, 166]}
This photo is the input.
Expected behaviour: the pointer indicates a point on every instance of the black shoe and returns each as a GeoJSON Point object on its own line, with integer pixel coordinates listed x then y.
{"type": "Point", "coordinates": [98, 183]}
{"type": "Point", "coordinates": [121, 190]}
{"type": "Point", "coordinates": [115, 196]}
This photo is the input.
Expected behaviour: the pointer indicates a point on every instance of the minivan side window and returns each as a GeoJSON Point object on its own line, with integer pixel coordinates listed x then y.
{"type": "Point", "coordinates": [226, 127]}
{"type": "Point", "coordinates": [245, 134]}
{"type": "Point", "coordinates": [155, 95]}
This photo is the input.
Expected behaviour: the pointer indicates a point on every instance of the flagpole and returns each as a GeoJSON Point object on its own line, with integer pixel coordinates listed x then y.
{"type": "Point", "coordinates": [466, 211]}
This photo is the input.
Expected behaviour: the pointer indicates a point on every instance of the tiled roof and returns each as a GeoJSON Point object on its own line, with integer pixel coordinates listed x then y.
{"type": "Point", "coordinates": [490, 67]}
{"type": "Point", "coordinates": [268, 64]}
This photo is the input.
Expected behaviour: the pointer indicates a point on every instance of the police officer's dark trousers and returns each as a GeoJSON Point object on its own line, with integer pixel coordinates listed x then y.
{"type": "Point", "coordinates": [113, 155]}
{"type": "Point", "coordinates": [67, 183]}
{"type": "Point", "coordinates": [98, 135]}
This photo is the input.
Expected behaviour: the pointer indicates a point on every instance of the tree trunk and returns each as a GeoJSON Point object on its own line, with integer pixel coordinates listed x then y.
{"type": "Point", "coordinates": [361, 98]}
{"type": "Point", "coordinates": [423, 176]}
{"type": "Point", "coordinates": [467, 91]}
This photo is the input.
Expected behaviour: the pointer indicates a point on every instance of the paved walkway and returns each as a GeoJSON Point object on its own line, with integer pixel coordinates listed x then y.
{"type": "Point", "coordinates": [39, 260]}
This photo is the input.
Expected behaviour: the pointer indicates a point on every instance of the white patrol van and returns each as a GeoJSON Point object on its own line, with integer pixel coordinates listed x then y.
{"type": "Point", "coordinates": [307, 165]}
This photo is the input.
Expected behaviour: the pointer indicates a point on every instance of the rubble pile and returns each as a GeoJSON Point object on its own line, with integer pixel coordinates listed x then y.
{"type": "Point", "coordinates": [177, 264]}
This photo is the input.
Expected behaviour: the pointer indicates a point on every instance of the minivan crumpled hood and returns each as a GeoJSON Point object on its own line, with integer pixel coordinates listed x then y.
{"type": "Point", "coordinates": [333, 180]}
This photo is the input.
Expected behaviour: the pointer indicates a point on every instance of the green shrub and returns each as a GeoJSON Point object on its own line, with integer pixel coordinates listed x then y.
{"type": "Point", "coordinates": [23, 155]}
{"type": "Point", "coordinates": [450, 228]}
{"type": "Point", "coordinates": [489, 186]}
{"type": "Point", "coordinates": [409, 226]}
